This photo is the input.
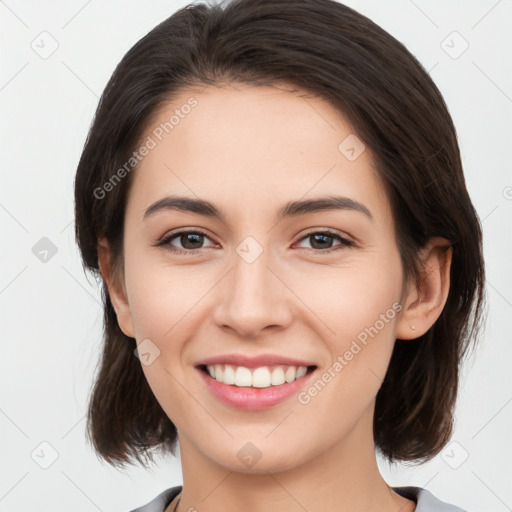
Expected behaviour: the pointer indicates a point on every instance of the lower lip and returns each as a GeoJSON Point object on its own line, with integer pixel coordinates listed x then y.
{"type": "Point", "coordinates": [254, 398]}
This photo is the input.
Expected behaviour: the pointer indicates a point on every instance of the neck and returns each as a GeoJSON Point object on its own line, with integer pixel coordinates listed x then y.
{"type": "Point", "coordinates": [341, 479]}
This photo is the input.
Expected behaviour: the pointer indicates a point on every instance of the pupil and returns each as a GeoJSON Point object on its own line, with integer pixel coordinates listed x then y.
{"type": "Point", "coordinates": [186, 238]}
{"type": "Point", "coordinates": [323, 237]}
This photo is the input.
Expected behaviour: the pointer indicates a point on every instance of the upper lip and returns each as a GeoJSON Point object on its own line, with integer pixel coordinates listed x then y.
{"type": "Point", "coordinates": [254, 361]}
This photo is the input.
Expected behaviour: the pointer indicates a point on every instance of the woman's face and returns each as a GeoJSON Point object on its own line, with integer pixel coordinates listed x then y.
{"type": "Point", "coordinates": [260, 277]}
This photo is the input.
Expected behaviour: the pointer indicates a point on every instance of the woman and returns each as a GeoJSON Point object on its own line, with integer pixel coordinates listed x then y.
{"type": "Point", "coordinates": [273, 195]}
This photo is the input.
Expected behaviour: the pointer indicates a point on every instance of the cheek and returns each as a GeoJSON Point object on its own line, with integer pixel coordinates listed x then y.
{"type": "Point", "coordinates": [369, 311]}
{"type": "Point", "coordinates": [161, 297]}
{"type": "Point", "coordinates": [349, 299]}
{"type": "Point", "coordinates": [359, 307]}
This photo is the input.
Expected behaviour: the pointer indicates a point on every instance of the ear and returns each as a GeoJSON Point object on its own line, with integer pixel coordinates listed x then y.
{"type": "Point", "coordinates": [116, 289]}
{"type": "Point", "coordinates": [424, 302]}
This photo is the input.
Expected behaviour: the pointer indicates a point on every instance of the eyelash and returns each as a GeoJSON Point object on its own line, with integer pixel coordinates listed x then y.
{"type": "Point", "coordinates": [344, 242]}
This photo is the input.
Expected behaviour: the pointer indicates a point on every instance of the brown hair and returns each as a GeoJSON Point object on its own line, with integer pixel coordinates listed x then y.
{"type": "Point", "coordinates": [330, 50]}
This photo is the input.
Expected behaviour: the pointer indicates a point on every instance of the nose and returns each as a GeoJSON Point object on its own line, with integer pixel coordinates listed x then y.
{"type": "Point", "coordinates": [254, 298]}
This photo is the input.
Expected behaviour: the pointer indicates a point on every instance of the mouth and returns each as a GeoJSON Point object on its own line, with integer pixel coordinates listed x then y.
{"type": "Point", "coordinates": [255, 388]}
{"type": "Point", "coordinates": [261, 377]}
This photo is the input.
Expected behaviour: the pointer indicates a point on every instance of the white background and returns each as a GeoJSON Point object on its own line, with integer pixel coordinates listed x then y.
{"type": "Point", "coordinates": [51, 316]}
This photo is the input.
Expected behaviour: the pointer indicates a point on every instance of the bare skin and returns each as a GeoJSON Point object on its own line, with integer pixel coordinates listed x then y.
{"type": "Point", "coordinates": [249, 150]}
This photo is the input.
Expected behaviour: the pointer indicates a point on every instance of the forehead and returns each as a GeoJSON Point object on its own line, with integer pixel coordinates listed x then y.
{"type": "Point", "coordinates": [255, 146]}
{"type": "Point", "coordinates": [268, 121]}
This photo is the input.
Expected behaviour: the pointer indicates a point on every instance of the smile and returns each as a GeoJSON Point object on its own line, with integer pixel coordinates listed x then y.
{"type": "Point", "coordinates": [261, 377]}
{"type": "Point", "coordinates": [256, 388]}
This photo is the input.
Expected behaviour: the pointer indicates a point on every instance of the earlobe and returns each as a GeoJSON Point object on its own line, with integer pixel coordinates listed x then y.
{"type": "Point", "coordinates": [116, 290]}
{"type": "Point", "coordinates": [425, 300]}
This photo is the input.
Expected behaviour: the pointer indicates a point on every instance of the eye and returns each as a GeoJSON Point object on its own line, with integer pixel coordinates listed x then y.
{"type": "Point", "coordinates": [190, 241]}
{"type": "Point", "coordinates": [322, 240]}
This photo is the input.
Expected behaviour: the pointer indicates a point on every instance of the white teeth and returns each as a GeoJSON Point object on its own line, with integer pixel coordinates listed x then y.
{"type": "Point", "coordinates": [243, 376]}
{"type": "Point", "coordinates": [218, 372]}
{"type": "Point", "coordinates": [229, 375]}
{"type": "Point", "coordinates": [290, 374]}
{"type": "Point", "coordinates": [261, 377]}
{"type": "Point", "coordinates": [301, 371]}
{"type": "Point", "coordinates": [278, 376]}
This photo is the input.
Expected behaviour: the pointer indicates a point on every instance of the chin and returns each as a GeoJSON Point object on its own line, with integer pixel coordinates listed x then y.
{"type": "Point", "coordinates": [252, 461]}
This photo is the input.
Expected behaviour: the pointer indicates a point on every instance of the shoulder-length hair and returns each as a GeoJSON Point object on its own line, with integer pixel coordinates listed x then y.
{"type": "Point", "coordinates": [337, 54]}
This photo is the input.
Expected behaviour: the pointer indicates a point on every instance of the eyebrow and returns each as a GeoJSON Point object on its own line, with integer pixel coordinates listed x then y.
{"type": "Point", "coordinates": [290, 209]}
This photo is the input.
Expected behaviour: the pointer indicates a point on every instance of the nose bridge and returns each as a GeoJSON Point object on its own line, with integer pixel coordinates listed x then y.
{"type": "Point", "coordinates": [250, 277]}
{"type": "Point", "coordinates": [254, 297]}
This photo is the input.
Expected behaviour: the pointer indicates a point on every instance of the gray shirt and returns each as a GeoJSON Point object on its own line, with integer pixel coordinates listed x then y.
{"type": "Point", "coordinates": [425, 500]}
